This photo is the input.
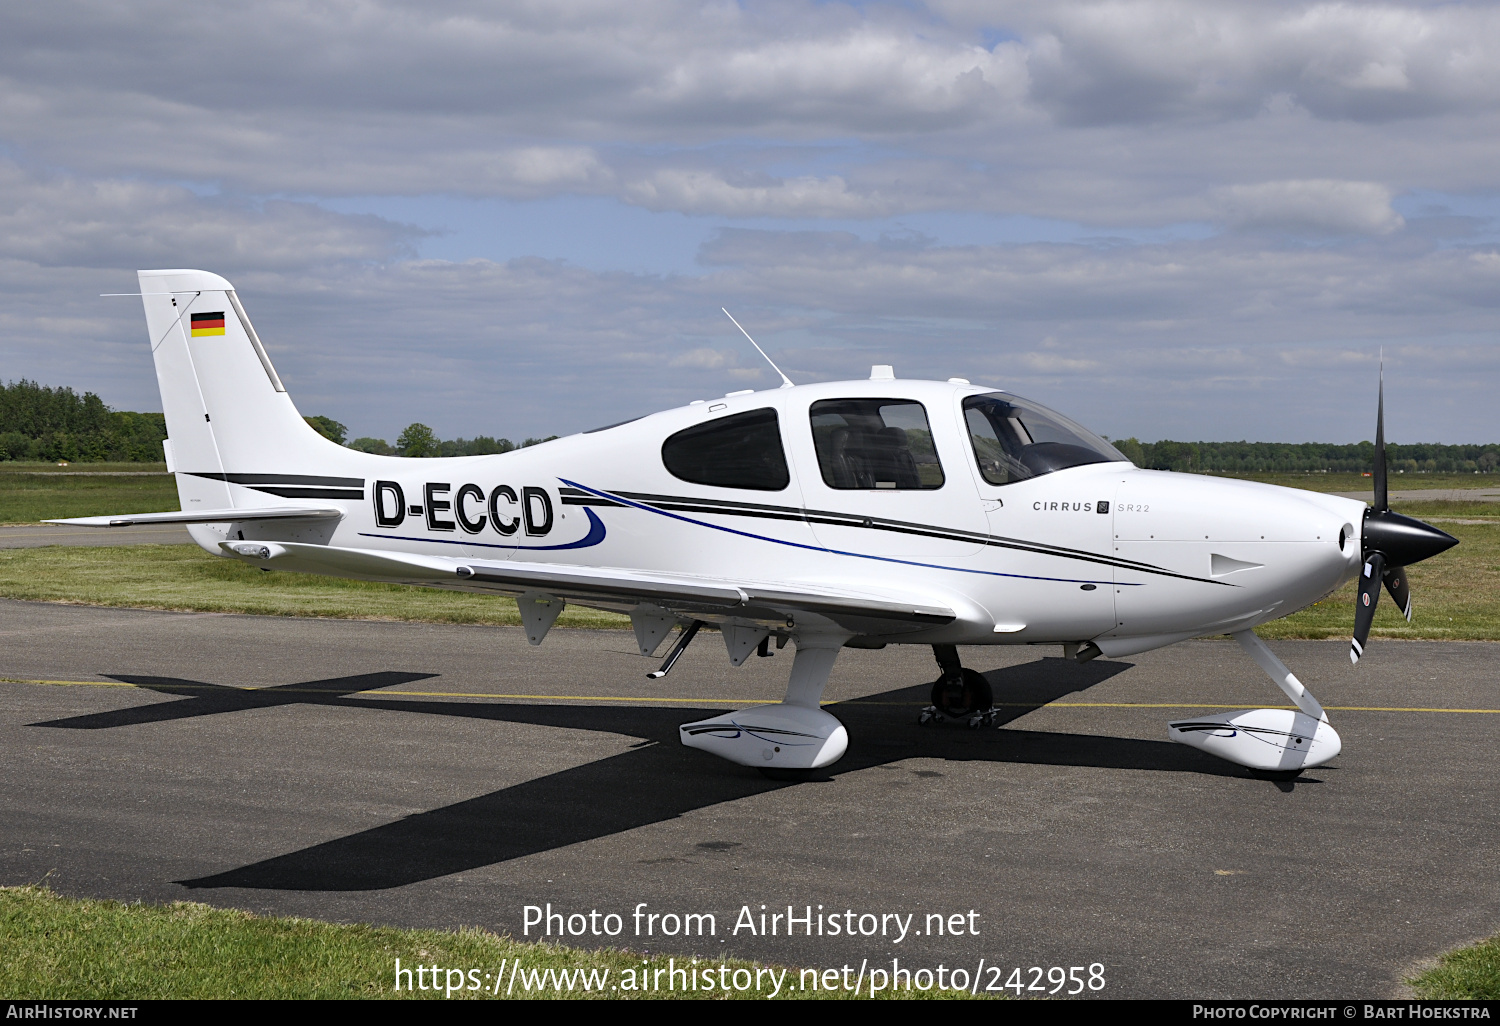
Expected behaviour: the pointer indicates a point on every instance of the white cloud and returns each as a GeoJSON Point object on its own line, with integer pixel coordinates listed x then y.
{"type": "Point", "coordinates": [703, 192]}
{"type": "Point", "coordinates": [1290, 127]}
{"type": "Point", "coordinates": [549, 168]}
{"type": "Point", "coordinates": [868, 78]}
{"type": "Point", "coordinates": [1144, 60]}
{"type": "Point", "coordinates": [704, 358]}
{"type": "Point", "coordinates": [1324, 204]}
{"type": "Point", "coordinates": [795, 109]}
{"type": "Point", "coordinates": [1052, 363]}
{"type": "Point", "coordinates": [71, 221]}
{"type": "Point", "coordinates": [1200, 339]}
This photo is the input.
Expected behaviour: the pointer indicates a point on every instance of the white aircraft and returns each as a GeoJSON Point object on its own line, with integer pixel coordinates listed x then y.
{"type": "Point", "coordinates": [847, 514]}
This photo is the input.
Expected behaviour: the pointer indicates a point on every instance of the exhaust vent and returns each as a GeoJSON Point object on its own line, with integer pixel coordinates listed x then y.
{"type": "Point", "coordinates": [1221, 566]}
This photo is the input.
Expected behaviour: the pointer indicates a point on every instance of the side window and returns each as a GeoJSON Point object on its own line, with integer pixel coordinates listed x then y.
{"type": "Point", "coordinates": [740, 451]}
{"type": "Point", "coordinates": [875, 443]}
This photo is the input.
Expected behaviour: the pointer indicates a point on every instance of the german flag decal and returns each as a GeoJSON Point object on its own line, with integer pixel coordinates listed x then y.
{"type": "Point", "coordinates": [208, 324]}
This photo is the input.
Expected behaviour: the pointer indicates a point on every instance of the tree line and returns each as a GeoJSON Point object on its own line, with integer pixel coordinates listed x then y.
{"type": "Point", "coordinates": [419, 440]}
{"type": "Point", "coordinates": [1231, 457]}
{"type": "Point", "coordinates": [42, 423]}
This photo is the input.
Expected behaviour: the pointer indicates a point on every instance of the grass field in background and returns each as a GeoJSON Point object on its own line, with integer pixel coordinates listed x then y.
{"type": "Point", "coordinates": [1318, 482]}
{"type": "Point", "coordinates": [1456, 594]}
{"type": "Point", "coordinates": [1444, 511]}
{"type": "Point", "coordinates": [1455, 597]}
{"type": "Point", "coordinates": [31, 492]}
{"type": "Point", "coordinates": [31, 467]}
{"type": "Point", "coordinates": [26, 498]}
{"type": "Point", "coordinates": [56, 948]}
{"type": "Point", "coordinates": [184, 577]}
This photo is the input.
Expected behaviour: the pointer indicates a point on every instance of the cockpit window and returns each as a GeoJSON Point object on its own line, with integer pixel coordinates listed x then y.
{"type": "Point", "coordinates": [739, 451]}
{"type": "Point", "coordinates": [875, 443]}
{"type": "Point", "coordinates": [1015, 439]}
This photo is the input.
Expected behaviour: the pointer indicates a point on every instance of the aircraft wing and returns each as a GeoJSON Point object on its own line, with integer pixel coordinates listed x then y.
{"type": "Point", "coordinates": [609, 588]}
{"type": "Point", "coordinates": [204, 516]}
{"type": "Point", "coordinates": [690, 594]}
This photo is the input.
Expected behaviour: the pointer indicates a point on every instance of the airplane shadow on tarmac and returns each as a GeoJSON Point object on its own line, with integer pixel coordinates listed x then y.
{"type": "Point", "coordinates": [656, 780]}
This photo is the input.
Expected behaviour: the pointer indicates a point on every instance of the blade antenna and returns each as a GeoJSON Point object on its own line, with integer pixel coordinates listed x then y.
{"type": "Point", "coordinates": [1382, 496]}
{"type": "Point", "coordinates": [786, 382]}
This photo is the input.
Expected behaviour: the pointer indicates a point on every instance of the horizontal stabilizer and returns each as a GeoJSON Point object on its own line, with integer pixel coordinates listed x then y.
{"type": "Point", "coordinates": [205, 516]}
{"type": "Point", "coordinates": [396, 567]}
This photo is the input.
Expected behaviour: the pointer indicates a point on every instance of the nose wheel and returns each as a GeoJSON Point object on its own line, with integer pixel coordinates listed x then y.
{"type": "Point", "coordinates": [960, 695]}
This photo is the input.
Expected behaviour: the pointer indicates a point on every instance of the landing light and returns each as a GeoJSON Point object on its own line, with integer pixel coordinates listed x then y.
{"type": "Point", "coordinates": [256, 550]}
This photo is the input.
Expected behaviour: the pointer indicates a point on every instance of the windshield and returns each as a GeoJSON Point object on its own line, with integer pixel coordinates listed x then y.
{"type": "Point", "coordinates": [1015, 439]}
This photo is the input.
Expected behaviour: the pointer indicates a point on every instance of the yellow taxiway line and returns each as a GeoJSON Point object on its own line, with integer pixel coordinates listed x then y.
{"type": "Point", "coordinates": [278, 689]}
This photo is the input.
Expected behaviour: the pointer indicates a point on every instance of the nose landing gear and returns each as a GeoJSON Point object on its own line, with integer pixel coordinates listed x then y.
{"type": "Point", "coordinates": [960, 695]}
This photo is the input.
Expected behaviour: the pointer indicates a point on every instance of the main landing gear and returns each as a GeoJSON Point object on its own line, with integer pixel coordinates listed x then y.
{"type": "Point", "coordinates": [790, 739]}
{"type": "Point", "coordinates": [960, 695]}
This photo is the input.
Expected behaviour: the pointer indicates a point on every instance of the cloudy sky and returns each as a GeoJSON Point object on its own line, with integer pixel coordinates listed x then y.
{"type": "Point", "coordinates": [1189, 220]}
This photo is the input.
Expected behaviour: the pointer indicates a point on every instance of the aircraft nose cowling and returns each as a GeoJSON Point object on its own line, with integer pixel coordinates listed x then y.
{"type": "Point", "coordinates": [1402, 540]}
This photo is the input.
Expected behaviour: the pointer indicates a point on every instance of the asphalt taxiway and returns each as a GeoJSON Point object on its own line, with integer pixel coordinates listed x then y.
{"type": "Point", "coordinates": [442, 776]}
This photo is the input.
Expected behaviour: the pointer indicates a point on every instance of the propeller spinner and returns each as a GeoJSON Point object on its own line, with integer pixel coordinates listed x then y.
{"type": "Point", "coordinates": [1389, 543]}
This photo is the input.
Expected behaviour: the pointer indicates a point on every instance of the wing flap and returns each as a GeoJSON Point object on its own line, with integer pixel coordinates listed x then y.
{"type": "Point", "coordinates": [206, 516]}
{"type": "Point", "coordinates": [585, 582]}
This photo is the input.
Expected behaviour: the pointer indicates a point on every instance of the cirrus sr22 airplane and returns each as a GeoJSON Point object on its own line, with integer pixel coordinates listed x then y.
{"type": "Point", "coordinates": [850, 513]}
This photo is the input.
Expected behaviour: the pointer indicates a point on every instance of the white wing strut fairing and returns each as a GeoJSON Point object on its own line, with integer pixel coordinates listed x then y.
{"type": "Point", "coordinates": [838, 514]}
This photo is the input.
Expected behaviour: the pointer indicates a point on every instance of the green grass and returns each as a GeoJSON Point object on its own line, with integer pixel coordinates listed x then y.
{"type": "Point", "coordinates": [34, 467]}
{"type": "Point", "coordinates": [1468, 974]}
{"type": "Point", "coordinates": [1456, 594]}
{"type": "Point", "coordinates": [56, 948]}
{"type": "Point", "coordinates": [1440, 511]}
{"type": "Point", "coordinates": [184, 577]}
{"type": "Point", "coordinates": [30, 492]}
{"type": "Point", "coordinates": [1317, 482]}
{"type": "Point", "coordinates": [33, 495]}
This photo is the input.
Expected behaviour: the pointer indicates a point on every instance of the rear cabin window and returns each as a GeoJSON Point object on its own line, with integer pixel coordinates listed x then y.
{"type": "Point", "coordinates": [875, 443]}
{"type": "Point", "coordinates": [739, 451]}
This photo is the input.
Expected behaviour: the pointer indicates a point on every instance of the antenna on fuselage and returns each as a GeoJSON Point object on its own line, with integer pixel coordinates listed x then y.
{"type": "Point", "coordinates": [786, 382]}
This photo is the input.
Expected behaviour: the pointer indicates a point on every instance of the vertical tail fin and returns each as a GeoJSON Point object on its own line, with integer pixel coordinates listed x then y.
{"type": "Point", "coordinates": [226, 409]}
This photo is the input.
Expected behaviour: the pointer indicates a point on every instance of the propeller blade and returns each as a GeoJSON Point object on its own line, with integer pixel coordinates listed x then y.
{"type": "Point", "coordinates": [1395, 583]}
{"type": "Point", "coordinates": [1364, 606]}
{"type": "Point", "coordinates": [1382, 497]}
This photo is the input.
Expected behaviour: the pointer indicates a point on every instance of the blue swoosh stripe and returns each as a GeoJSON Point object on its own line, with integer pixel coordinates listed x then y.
{"type": "Point", "coordinates": [837, 552]}
{"type": "Point", "coordinates": [594, 537]}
